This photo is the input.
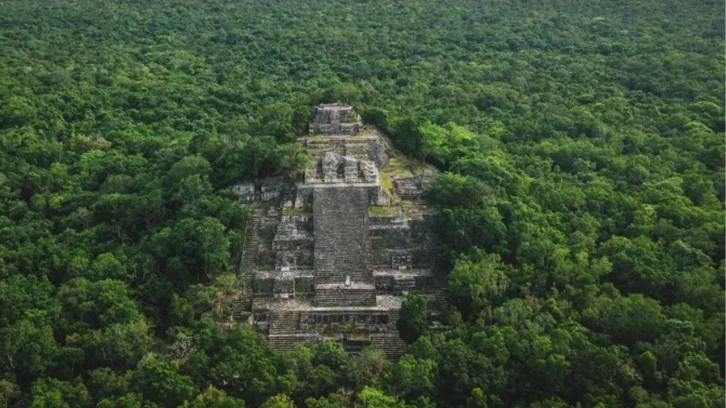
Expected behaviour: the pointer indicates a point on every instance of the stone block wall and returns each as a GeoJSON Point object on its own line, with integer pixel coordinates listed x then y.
{"type": "Point", "coordinates": [390, 238]}
{"type": "Point", "coordinates": [283, 286]}
{"type": "Point", "coordinates": [334, 119]}
{"type": "Point", "coordinates": [422, 257]}
{"type": "Point", "coordinates": [245, 192]}
{"type": "Point", "coordinates": [384, 283]}
{"type": "Point", "coordinates": [294, 259]}
{"type": "Point", "coordinates": [348, 322]}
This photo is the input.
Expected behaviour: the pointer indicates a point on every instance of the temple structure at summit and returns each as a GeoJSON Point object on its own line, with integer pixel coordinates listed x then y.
{"type": "Point", "coordinates": [333, 255]}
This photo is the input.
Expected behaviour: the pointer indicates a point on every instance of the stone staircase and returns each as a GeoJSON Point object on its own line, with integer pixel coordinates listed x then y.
{"type": "Point", "coordinates": [241, 306]}
{"type": "Point", "coordinates": [284, 334]}
{"type": "Point", "coordinates": [355, 346]}
{"type": "Point", "coordinates": [390, 343]}
{"type": "Point", "coordinates": [284, 323]}
{"type": "Point", "coordinates": [394, 315]}
{"type": "Point", "coordinates": [288, 342]}
{"type": "Point", "coordinates": [361, 295]}
{"type": "Point", "coordinates": [438, 298]}
{"type": "Point", "coordinates": [415, 209]}
{"type": "Point", "coordinates": [251, 240]}
{"type": "Point", "coordinates": [342, 247]}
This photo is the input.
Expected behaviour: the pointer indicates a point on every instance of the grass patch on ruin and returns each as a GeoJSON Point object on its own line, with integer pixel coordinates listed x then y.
{"type": "Point", "coordinates": [376, 211]}
{"type": "Point", "coordinates": [294, 211]}
{"type": "Point", "coordinates": [401, 167]}
{"type": "Point", "coordinates": [387, 183]}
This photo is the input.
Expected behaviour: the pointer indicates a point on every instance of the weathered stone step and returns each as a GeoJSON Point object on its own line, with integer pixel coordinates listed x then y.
{"type": "Point", "coordinates": [241, 306]}
{"type": "Point", "coordinates": [284, 323]}
{"type": "Point", "coordinates": [390, 343]}
{"type": "Point", "coordinates": [251, 240]}
{"type": "Point", "coordinates": [287, 342]}
{"type": "Point", "coordinates": [341, 240]}
{"type": "Point", "coordinates": [344, 296]}
{"type": "Point", "coordinates": [438, 295]}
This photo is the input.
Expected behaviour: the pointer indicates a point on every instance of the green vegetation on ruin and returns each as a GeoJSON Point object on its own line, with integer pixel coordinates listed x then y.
{"type": "Point", "coordinates": [295, 211]}
{"type": "Point", "coordinates": [376, 211]}
{"type": "Point", "coordinates": [401, 167]}
{"type": "Point", "coordinates": [387, 185]}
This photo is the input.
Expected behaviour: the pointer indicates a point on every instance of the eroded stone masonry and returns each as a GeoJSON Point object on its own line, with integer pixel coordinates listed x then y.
{"type": "Point", "coordinates": [333, 255]}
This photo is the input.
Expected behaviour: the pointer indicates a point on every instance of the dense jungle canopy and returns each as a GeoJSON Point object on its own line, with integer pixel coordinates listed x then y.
{"type": "Point", "coordinates": [580, 210]}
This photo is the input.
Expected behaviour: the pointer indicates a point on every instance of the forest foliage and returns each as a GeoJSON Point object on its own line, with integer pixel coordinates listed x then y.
{"type": "Point", "coordinates": [580, 209]}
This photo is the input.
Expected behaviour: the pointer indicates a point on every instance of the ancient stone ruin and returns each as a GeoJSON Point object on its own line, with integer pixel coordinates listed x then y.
{"type": "Point", "coordinates": [333, 256]}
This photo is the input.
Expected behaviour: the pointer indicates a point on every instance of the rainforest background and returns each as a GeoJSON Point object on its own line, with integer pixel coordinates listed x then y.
{"type": "Point", "coordinates": [580, 211]}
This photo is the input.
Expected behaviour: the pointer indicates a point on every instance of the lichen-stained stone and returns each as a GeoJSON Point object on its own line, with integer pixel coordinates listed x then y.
{"type": "Point", "coordinates": [370, 174]}
{"type": "Point", "coordinates": [335, 118]}
{"type": "Point", "coordinates": [245, 192]}
{"type": "Point", "coordinates": [351, 170]}
{"type": "Point", "coordinates": [329, 164]}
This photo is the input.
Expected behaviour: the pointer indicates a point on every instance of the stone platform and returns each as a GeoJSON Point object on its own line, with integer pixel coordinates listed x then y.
{"type": "Point", "coordinates": [292, 321]}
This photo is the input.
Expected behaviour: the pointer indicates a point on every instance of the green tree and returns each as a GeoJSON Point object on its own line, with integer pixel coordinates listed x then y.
{"type": "Point", "coordinates": [455, 190]}
{"type": "Point", "coordinates": [367, 368]}
{"type": "Point", "coordinates": [161, 382]}
{"type": "Point", "coordinates": [130, 400]}
{"type": "Point", "coordinates": [414, 317]}
{"type": "Point", "coordinates": [375, 398]}
{"type": "Point", "coordinates": [278, 401]}
{"type": "Point", "coordinates": [104, 382]}
{"type": "Point", "coordinates": [9, 391]}
{"type": "Point", "coordinates": [214, 398]}
{"type": "Point", "coordinates": [52, 393]}
{"type": "Point", "coordinates": [477, 285]}
{"type": "Point", "coordinates": [28, 348]}
{"type": "Point", "coordinates": [407, 138]}
{"type": "Point", "coordinates": [626, 319]}
{"type": "Point", "coordinates": [413, 377]}
{"type": "Point", "coordinates": [243, 364]}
